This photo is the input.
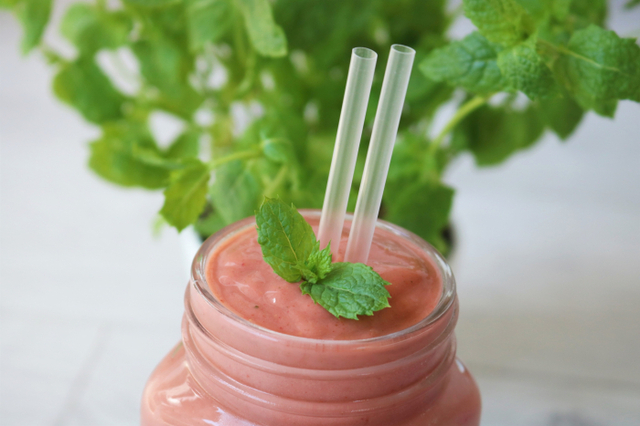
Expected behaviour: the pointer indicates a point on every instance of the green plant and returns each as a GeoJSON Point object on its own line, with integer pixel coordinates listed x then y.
{"type": "Point", "coordinates": [288, 59]}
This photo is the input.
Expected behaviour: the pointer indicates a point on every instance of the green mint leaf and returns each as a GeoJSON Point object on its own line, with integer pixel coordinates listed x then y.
{"type": "Point", "coordinates": [151, 3]}
{"type": "Point", "coordinates": [599, 68]}
{"type": "Point", "coordinates": [501, 21]}
{"type": "Point", "coordinates": [114, 158]}
{"type": "Point", "coordinates": [287, 240]}
{"type": "Point", "coordinates": [349, 290]}
{"type": "Point", "coordinates": [526, 71]}
{"type": "Point", "coordinates": [589, 11]}
{"type": "Point", "coordinates": [91, 29]}
{"type": "Point", "coordinates": [85, 87]}
{"type": "Point", "coordinates": [266, 36]}
{"type": "Point", "coordinates": [561, 114]}
{"type": "Point", "coordinates": [318, 265]}
{"type": "Point", "coordinates": [186, 145]}
{"type": "Point", "coordinates": [236, 192]}
{"type": "Point", "coordinates": [8, 4]}
{"type": "Point", "coordinates": [207, 21]}
{"type": "Point", "coordinates": [161, 64]}
{"type": "Point", "coordinates": [185, 197]}
{"type": "Point", "coordinates": [164, 64]}
{"type": "Point", "coordinates": [209, 223]}
{"type": "Point", "coordinates": [632, 3]}
{"type": "Point", "coordinates": [470, 63]}
{"type": "Point", "coordinates": [34, 16]}
{"type": "Point", "coordinates": [494, 134]}
{"type": "Point", "coordinates": [278, 151]}
{"type": "Point", "coordinates": [422, 207]}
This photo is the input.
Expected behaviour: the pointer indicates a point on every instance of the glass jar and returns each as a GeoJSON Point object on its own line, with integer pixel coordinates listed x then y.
{"type": "Point", "coordinates": [230, 372]}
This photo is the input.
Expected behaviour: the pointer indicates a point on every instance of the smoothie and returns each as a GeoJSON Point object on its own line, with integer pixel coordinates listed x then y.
{"type": "Point", "coordinates": [256, 351]}
{"type": "Point", "coordinates": [242, 281]}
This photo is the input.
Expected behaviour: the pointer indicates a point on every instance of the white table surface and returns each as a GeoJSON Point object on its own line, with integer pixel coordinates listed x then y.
{"type": "Point", "coordinates": [548, 270]}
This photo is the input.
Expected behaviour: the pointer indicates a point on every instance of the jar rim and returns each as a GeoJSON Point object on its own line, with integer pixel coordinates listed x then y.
{"type": "Point", "coordinates": [447, 296]}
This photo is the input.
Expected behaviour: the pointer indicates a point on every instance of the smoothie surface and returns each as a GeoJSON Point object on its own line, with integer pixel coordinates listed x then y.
{"type": "Point", "coordinates": [241, 280]}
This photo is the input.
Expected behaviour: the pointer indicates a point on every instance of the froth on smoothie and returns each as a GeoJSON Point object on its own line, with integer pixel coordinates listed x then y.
{"type": "Point", "coordinates": [242, 281]}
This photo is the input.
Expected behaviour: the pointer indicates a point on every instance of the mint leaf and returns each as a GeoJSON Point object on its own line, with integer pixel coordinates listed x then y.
{"type": "Point", "coordinates": [287, 240]}
{"type": "Point", "coordinates": [164, 65]}
{"type": "Point", "coordinates": [562, 115]}
{"type": "Point", "coordinates": [501, 21]}
{"type": "Point", "coordinates": [91, 29]}
{"type": "Point", "coordinates": [493, 134]}
{"type": "Point", "coordinates": [266, 36]}
{"type": "Point", "coordinates": [161, 63]}
{"type": "Point", "coordinates": [185, 197]}
{"type": "Point", "coordinates": [151, 3]}
{"type": "Point", "coordinates": [186, 145]}
{"type": "Point", "coordinates": [207, 21]}
{"type": "Point", "coordinates": [236, 192]}
{"type": "Point", "coordinates": [278, 151]}
{"type": "Point", "coordinates": [7, 4]}
{"type": "Point", "coordinates": [470, 63]}
{"type": "Point", "coordinates": [589, 11]}
{"type": "Point", "coordinates": [114, 158]}
{"type": "Point", "coordinates": [318, 265]}
{"type": "Point", "coordinates": [34, 16]}
{"type": "Point", "coordinates": [349, 290]}
{"type": "Point", "coordinates": [209, 222]}
{"type": "Point", "coordinates": [84, 86]}
{"type": "Point", "coordinates": [599, 68]}
{"type": "Point", "coordinates": [525, 70]}
{"type": "Point", "coordinates": [422, 207]}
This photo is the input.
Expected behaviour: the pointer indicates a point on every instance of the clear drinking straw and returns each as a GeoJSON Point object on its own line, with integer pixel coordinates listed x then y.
{"type": "Point", "coordinates": [354, 107]}
{"type": "Point", "coordinates": [383, 137]}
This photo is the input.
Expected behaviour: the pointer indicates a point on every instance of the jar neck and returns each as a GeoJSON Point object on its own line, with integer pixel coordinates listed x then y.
{"type": "Point", "coordinates": [273, 379]}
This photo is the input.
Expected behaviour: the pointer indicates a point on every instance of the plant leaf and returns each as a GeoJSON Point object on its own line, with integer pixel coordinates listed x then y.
{"type": "Point", "coordinates": [209, 224]}
{"type": "Point", "coordinates": [470, 63]}
{"type": "Point", "coordinates": [349, 290]}
{"type": "Point", "coordinates": [318, 265]}
{"type": "Point", "coordinates": [186, 145]}
{"type": "Point", "coordinates": [151, 3]}
{"type": "Point", "coordinates": [185, 197]}
{"type": "Point", "coordinates": [235, 193]}
{"type": "Point", "coordinates": [113, 157]}
{"type": "Point", "coordinates": [91, 29]}
{"type": "Point", "coordinates": [505, 22]}
{"type": "Point", "coordinates": [34, 16]}
{"type": "Point", "coordinates": [207, 21]}
{"type": "Point", "coordinates": [562, 115]}
{"type": "Point", "coordinates": [266, 36]}
{"type": "Point", "coordinates": [161, 64]}
{"type": "Point", "coordinates": [279, 151]}
{"type": "Point", "coordinates": [287, 240]}
{"type": "Point", "coordinates": [493, 134]}
{"type": "Point", "coordinates": [525, 70]}
{"type": "Point", "coordinates": [599, 68]}
{"type": "Point", "coordinates": [422, 207]}
{"type": "Point", "coordinates": [85, 87]}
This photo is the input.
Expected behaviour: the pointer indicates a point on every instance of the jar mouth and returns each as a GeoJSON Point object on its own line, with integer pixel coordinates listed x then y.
{"type": "Point", "coordinates": [447, 296]}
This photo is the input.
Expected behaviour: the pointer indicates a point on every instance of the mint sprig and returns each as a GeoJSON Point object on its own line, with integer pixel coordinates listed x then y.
{"type": "Point", "coordinates": [290, 247]}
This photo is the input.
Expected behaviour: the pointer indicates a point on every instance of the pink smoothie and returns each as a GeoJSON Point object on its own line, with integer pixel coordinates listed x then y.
{"type": "Point", "coordinates": [256, 352]}
{"type": "Point", "coordinates": [240, 279]}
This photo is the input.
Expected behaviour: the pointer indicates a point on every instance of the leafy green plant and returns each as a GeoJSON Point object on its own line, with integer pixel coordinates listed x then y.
{"type": "Point", "coordinates": [286, 61]}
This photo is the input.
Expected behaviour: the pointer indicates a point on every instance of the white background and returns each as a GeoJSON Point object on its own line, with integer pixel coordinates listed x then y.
{"type": "Point", "coordinates": [548, 269]}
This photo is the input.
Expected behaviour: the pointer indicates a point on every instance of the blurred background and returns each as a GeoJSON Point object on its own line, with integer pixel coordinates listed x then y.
{"type": "Point", "coordinates": [547, 264]}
